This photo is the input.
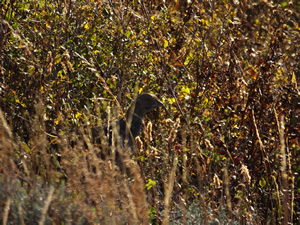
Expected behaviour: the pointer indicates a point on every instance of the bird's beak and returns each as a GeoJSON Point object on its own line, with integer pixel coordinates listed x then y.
{"type": "Point", "coordinates": [160, 104]}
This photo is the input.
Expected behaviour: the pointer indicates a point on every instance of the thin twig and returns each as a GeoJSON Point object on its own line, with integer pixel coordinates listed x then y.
{"type": "Point", "coordinates": [6, 210]}
{"type": "Point", "coordinates": [178, 106]}
{"type": "Point", "coordinates": [47, 203]}
{"type": "Point", "coordinates": [262, 147]}
{"type": "Point", "coordinates": [20, 211]}
{"type": "Point", "coordinates": [283, 168]}
{"type": "Point", "coordinates": [169, 188]}
{"type": "Point", "coordinates": [227, 192]}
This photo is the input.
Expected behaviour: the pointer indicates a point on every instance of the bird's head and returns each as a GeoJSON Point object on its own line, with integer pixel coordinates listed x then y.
{"type": "Point", "coordinates": [145, 103]}
{"type": "Point", "coordinates": [148, 102]}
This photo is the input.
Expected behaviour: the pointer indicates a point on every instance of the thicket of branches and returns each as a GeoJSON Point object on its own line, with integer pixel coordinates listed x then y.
{"type": "Point", "coordinates": [227, 150]}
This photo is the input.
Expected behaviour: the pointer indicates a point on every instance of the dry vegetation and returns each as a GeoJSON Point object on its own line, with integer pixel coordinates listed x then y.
{"type": "Point", "coordinates": [225, 152]}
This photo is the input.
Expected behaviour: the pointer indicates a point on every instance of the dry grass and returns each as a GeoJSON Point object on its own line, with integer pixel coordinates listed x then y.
{"type": "Point", "coordinates": [85, 181]}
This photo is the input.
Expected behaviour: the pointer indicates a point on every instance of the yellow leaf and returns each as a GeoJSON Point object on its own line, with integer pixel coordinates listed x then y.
{"type": "Point", "coordinates": [31, 69]}
{"type": "Point", "coordinates": [48, 24]}
{"type": "Point", "coordinates": [87, 26]}
{"type": "Point", "coordinates": [166, 43]}
{"type": "Point", "coordinates": [56, 121]}
{"type": "Point", "coordinates": [294, 81]}
{"type": "Point", "coordinates": [171, 100]}
{"type": "Point", "coordinates": [78, 115]}
{"type": "Point", "coordinates": [185, 90]}
{"type": "Point", "coordinates": [210, 54]}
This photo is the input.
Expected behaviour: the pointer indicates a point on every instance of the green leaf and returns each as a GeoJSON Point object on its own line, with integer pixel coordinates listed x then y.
{"type": "Point", "coordinates": [150, 184]}
{"type": "Point", "coordinates": [128, 33]}
{"type": "Point", "coordinates": [262, 182]}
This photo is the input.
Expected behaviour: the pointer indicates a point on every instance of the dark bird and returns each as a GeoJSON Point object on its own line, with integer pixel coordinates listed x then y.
{"type": "Point", "coordinates": [135, 114]}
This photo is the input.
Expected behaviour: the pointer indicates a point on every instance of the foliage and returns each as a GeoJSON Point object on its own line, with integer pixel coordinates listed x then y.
{"type": "Point", "coordinates": [227, 149]}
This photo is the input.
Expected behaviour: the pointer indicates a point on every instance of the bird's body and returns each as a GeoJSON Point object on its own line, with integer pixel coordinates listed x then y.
{"type": "Point", "coordinates": [134, 116]}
